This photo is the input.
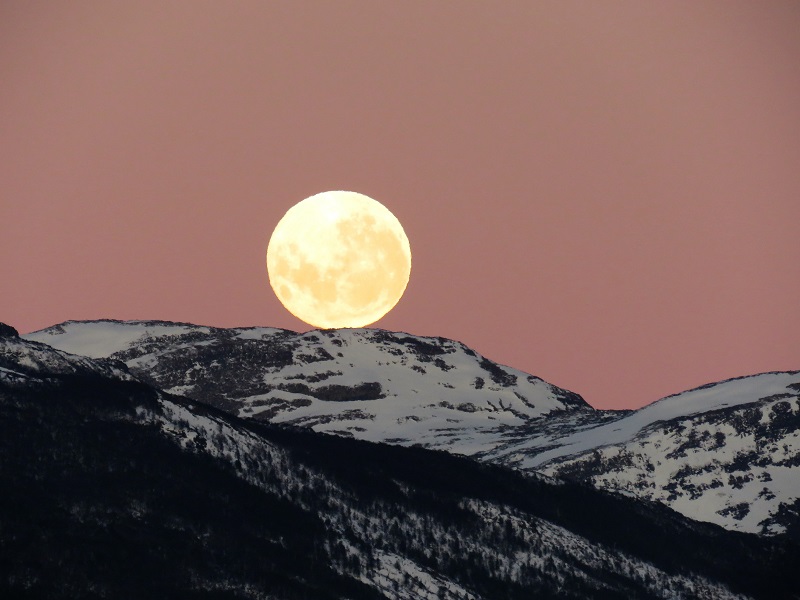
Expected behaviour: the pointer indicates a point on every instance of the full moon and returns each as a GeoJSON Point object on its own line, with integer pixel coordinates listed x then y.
{"type": "Point", "coordinates": [339, 259]}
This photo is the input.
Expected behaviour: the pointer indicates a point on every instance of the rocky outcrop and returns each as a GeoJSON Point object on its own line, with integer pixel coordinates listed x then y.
{"type": "Point", "coordinates": [8, 331]}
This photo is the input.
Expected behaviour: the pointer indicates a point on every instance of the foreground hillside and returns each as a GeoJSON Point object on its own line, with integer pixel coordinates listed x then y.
{"type": "Point", "coordinates": [727, 453]}
{"type": "Point", "coordinates": [113, 489]}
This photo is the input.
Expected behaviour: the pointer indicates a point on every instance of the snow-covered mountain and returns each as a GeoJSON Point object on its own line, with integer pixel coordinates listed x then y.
{"type": "Point", "coordinates": [367, 383]}
{"type": "Point", "coordinates": [115, 489]}
{"type": "Point", "coordinates": [727, 453]}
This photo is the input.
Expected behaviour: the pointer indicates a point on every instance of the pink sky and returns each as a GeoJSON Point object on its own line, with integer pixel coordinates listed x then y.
{"type": "Point", "coordinates": [604, 194]}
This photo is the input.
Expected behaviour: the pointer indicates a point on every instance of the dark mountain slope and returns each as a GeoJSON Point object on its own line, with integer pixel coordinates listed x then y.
{"type": "Point", "coordinates": [95, 505]}
{"type": "Point", "coordinates": [440, 481]}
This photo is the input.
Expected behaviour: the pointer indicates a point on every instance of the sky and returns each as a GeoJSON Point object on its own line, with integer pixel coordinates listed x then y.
{"type": "Point", "coordinates": [603, 194]}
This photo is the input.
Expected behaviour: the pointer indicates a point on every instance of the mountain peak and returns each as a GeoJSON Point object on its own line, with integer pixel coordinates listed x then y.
{"type": "Point", "coordinates": [368, 383]}
{"type": "Point", "coordinates": [8, 331]}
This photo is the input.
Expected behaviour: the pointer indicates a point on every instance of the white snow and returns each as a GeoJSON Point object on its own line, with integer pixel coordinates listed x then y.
{"type": "Point", "coordinates": [257, 333]}
{"type": "Point", "coordinates": [37, 358]}
{"type": "Point", "coordinates": [727, 393]}
{"type": "Point", "coordinates": [101, 339]}
{"type": "Point", "coordinates": [444, 400]}
{"type": "Point", "coordinates": [736, 481]}
{"type": "Point", "coordinates": [402, 579]}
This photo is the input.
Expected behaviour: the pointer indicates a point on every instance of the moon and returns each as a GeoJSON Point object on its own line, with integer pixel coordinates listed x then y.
{"type": "Point", "coordinates": [339, 259]}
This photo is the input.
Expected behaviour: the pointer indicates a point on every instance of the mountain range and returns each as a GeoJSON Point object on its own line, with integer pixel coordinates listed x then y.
{"type": "Point", "coordinates": [145, 459]}
{"type": "Point", "coordinates": [725, 453]}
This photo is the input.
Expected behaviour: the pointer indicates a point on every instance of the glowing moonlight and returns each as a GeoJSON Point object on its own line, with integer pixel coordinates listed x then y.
{"type": "Point", "coordinates": [339, 259]}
